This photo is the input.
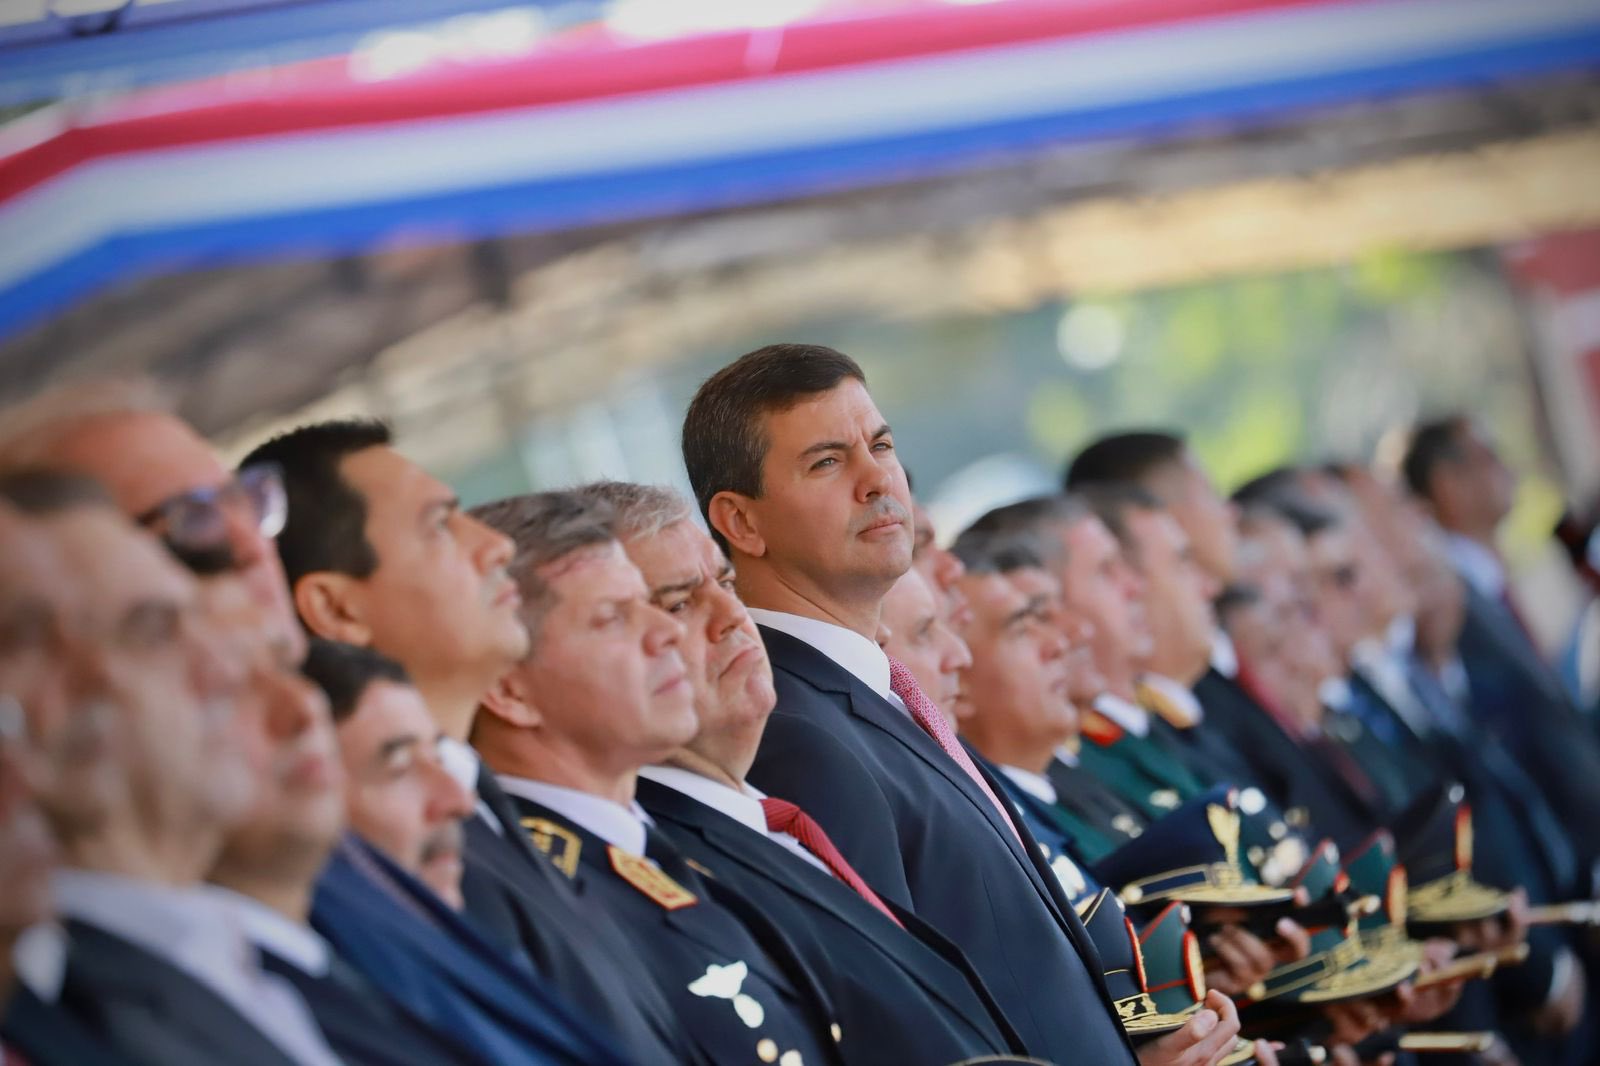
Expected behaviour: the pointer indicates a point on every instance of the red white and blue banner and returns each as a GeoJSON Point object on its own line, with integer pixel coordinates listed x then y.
{"type": "Point", "coordinates": [327, 161]}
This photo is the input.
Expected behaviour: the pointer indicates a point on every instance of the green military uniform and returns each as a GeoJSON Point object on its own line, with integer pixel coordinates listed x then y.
{"type": "Point", "coordinates": [1140, 770]}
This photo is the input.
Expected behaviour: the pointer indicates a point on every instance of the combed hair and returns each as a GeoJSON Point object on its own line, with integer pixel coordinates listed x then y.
{"type": "Point", "coordinates": [1433, 443]}
{"type": "Point", "coordinates": [546, 527]}
{"type": "Point", "coordinates": [40, 491]}
{"type": "Point", "coordinates": [1269, 487]}
{"type": "Point", "coordinates": [1113, 501]}
{"type": "Point", "coordinates": [724, 439]}
{"type": "Point", "coordinates": [327, 525]}
{"type": "Point", "coordinates": [638, 511]}
{"type": "Point", "coordinates": [1236, 597]}
{"type": "Point", "coordinates": [31, 431]}
{"type": "Point", "coordinates": [344, 672]}
{"type": "Point", "coordinates": [1000, 553]}
{"type": "Point", "coordinates": [1130, 456]}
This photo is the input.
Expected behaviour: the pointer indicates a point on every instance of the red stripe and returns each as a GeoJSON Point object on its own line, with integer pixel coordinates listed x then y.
{"type": "Point", "coordinates": [595, 68]}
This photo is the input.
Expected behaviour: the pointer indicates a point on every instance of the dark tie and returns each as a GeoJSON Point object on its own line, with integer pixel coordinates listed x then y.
{"type": "Point", "coordinates": [785, 817]}
{"type": "Point", "coordinates": [934, 723]}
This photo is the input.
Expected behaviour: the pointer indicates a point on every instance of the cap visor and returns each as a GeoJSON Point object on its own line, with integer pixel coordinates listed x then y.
{"type": "Point", "coordinates": [1231, 896]}
{"type": "Point", "coordinates": [1373, 975]}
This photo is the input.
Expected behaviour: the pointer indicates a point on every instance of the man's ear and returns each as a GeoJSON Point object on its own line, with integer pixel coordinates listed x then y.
{"type": "Point", "coordinates": [329, 605]}
{"type": "Point", "coordinates": [730, 514]}
{"type": "Point", "coordinates": [510, 700]}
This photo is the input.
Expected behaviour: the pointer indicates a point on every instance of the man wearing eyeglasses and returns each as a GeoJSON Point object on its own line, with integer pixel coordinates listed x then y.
{"type": "Point", "coordinates": [161, 473]}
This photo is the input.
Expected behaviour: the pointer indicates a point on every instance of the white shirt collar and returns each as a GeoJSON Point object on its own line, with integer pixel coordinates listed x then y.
{"type": "Point", "coordinates": [1131, 717]}
{"type": "Point", "coordinates": [1036, 785]}
{"type": "Point", "coordinates": [40, 958]}
{"type": "Point", "coordinates": [1179, 698]}
{"type": "Point", "coordinates": [611, 822]}
{"type": "Point", "coordinates": [743, 807]}
{"type": "Point", "coordinates": [1335, 693]}
{"type": "Point", "coordinates": [863, 658]}
{"type": "Point", "coordinates": [462, 762]}
{"type": "Point", "coordinates": [1477, 565]}
{"type": "Point", "coordinates": [1224, 656]}
{"type": "Point", "coordinates": [165, 921]}
{"type": "Point", "coordinates": [294, 942]}
{"type": "Point", "coordinates": [1067, 756]}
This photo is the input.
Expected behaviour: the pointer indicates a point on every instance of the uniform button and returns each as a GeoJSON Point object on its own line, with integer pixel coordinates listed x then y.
{"type": "Point", "coordinates": [838, 1034]}
{"type": "Point", "coordinates": [767, 1051]}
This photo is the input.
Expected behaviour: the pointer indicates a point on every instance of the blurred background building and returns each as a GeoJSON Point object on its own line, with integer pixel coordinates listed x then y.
{"type": "Point", "coordinates": [525, 232]}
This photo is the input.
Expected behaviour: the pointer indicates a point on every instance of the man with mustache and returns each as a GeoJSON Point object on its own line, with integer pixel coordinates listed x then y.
{"type": "Point", "coordinates": [898, 997]}
{"type": "Point", "coordinates": [794, 469]}
{"type": "Point", "coordinates": [602, 691]}
{"type": "Point", "coordinates": [379, 554]}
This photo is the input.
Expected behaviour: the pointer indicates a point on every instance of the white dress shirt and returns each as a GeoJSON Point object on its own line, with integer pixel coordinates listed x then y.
{"type": "Point", "coordinates": [40, 960]}
{"type": "Point", "coordinates": [1478, 566]}
{"type": "Point", "coordinates": [1130, 716]}
{"type": "Point", "coordinates": [743, 807]}
{"type": "Point", "coordinates": [1036, 785]}
{"type": "Point", "coordinates": [858, 655]}
{"type": "Point", "coordinates": [461, 762]}
{"type": "Point", "coordinates": [620, 826]}
{"type": "Point", "coordinates": [191, 930]}
{"type": "Point", "coordinates": [1068, 754]}
{"type": "Point", "coordinates": [1224, 656]}
{"type": "Point", "coordinates": [294, 942]}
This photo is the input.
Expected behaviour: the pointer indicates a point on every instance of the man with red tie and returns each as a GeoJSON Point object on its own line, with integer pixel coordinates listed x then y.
{"type": "Point", "coordinates": [904, 992]}
{"type": "Point", "coordinates": [795, 470]}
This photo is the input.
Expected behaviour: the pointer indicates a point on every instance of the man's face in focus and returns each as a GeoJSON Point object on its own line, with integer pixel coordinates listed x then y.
{"type": "Point", "coordinates": [606, 673]}
{"type": "Point", "coordinates": [919, 637]}
{"type": "Point", "coordinates": [1086, 680]}
{"type": "Point", "coordinates": [1020, 678]}
{"type": "Point", "coordinates": [440, 600]}
{"type": "Point", "coordinates": [398, 795]}
{"type": "Point", "coordinates": [834, 510]}
{"type": "Point", "coordinates": [145, 460]}
{"type": "Point", "coordinates": [690, 579]}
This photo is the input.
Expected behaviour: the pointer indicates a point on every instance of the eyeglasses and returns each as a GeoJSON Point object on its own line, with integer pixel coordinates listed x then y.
{"type": "Point", "coordinates": [197, 521]}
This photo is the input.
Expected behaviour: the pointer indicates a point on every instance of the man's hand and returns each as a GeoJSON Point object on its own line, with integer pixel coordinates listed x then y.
{"type": "Point", "coordinates": [1355, 1020]}
{"type": "Point", "coordinates": [1494, 934]}
{"type": "Point", "coordinates": [1207, 1037]}
{"type": "Point", "coordinates": [1424, 1005]}
{"type": "Point", "coordinates": [1241, 958]}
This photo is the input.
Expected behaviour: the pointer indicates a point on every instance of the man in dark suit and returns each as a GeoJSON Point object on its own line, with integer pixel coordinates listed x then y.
{"type": "Point", "coordinates": [602, 691]}
{"type": "Point", "coordinates": [795, 470]}
{"type": "Point", "coordinates": [901, 990]}
{"type": "Point", "coordinates": [145, 960]}
{"type": "Point", "coordinates": [379, 554]}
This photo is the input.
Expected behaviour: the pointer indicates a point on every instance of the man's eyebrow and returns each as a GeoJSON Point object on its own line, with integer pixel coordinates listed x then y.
{"type": "Point", "coordinates": [451, 503]}
{"type": "Point", "coordinates": [396, 744]}
{"type": "Point", "coordinates": [1034, 608]}
{"type": "Point", "coordinates": [725, 570]}
{"type": "Point", "coordinates": [825, 446]}
{"type": "Point", "coordinates": [882, 431]}
{"type": "Point", "coordinates": [686, 585]}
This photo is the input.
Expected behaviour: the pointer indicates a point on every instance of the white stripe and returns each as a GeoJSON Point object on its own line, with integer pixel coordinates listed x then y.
{"type": "Point", "coordinates": [233, 180]}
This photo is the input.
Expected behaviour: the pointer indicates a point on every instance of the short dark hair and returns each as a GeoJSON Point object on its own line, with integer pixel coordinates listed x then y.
{"type": "Point", "coordinates": [42, 491]}
{"type": "Point", "coordinates": [344, 672]}
{"type": "Point", "coordinates": [1236, 597]}
{"type": "Point", "coordinates": [724, 441]}
{"type": "Point", "coordinates": [1130, 456]}
{"type": "Point", "coordinates": [546, 527]}
{"type": "Point", "coordinates": [1002, 553]}
{"type": "Point", "coordinates": [1268, 487]}
{"type": "Point", "coordinates": [1433, 443]}
{"type": "Point", "coordinates": [1113, 501]}
{"type": "Point", "coordinates": [327, 524]}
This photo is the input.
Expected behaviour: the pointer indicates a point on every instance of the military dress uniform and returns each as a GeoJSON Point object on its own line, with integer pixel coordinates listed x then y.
{"type": "Point", "coordinates": [735, 982]}
{"type": "Point", "coordinates": [1050, 832]}
{"type": "Point", "coordinates": [1099, 820]}
{"type": "Point", "coordinates": [1134, 764]}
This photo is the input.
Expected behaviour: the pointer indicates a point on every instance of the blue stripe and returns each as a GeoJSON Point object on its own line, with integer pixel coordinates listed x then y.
{"type": "Point", "coordinates": [729, 182]}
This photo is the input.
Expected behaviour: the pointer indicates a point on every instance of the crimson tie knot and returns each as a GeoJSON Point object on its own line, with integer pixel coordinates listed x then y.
{"type": "Point", "coordinates": [781, 814]}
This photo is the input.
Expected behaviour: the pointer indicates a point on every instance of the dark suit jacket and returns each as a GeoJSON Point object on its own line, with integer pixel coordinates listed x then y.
{"type": "Point", "coordinates": [1099, 820]}
{"type": "Point", "coordinates": [1056, 841]}
{"type": "Point", "coordinates": [1291, 774]}
{"type": "Point", "coordinates": [515, 894]}
{"type": "Point", "coordinates": [146, 1007]}
{"type": "Point", "coordinates": [897, 999]}
{"type": "Point", "coordinates": [682, 946]}
{"type": "Point", "coordinates": [923, 835]}
{"type": "Point", "coordinates": [359, 1023]}
{"type": "Point", "coordinates": [440, 970]}
{"type": "Point", "coordinates": [47, 1035]}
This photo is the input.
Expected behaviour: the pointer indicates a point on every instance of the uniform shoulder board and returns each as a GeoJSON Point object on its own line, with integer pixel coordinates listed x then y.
{"type": "Point", "coordinates": [559, 843]}
{"type": "Point", "coordinates": [644, 876]}
{"type": "Point", "coordinates": [1100, 730]}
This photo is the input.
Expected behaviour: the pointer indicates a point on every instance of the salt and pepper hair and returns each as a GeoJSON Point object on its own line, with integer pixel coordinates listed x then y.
{"type": "Point", "coordinates": [545, 528]}
{"type": "Point", "coordinates": [638, 511]}
{"type": "Point", "coordinates": [31, 431]}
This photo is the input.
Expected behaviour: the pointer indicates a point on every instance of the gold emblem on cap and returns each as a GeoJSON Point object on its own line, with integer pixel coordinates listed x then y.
{"type": "Point", "coordinates": [558, 842]}
{"type": "Point", "coordinates": [1225, 827]}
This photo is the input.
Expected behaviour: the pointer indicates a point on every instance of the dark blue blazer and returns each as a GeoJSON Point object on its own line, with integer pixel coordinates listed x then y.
{"type": "Point", "coordinates": [895, 991]}
{"type": "Point", "coordinates": [47, 1035]}
{"type": "Point", "coordinates": [924, 836]}
{"type": "Point", "coordinates": [1054, 838]}
{"type": "Point", "coordinates": [426, 958]}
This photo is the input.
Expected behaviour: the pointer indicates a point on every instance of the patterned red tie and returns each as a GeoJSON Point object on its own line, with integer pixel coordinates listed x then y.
{"type": "Point", "coordinates": [785, 817]}
{"type": "Point", "coordinates": [926, 715]}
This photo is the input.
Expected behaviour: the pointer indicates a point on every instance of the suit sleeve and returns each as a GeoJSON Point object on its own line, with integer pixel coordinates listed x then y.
{"type": "Point", "coordinates": [806, 764]}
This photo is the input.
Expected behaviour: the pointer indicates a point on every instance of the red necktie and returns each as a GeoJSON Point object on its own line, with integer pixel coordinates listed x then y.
{"type": "Point", "coordinates": [785, 817]}
{"type": "Point", "coordinates": [926, 715]}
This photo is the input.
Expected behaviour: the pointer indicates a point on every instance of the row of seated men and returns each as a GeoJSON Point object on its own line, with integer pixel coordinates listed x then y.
{"type": "Point", "coordinates": [304, 763]}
